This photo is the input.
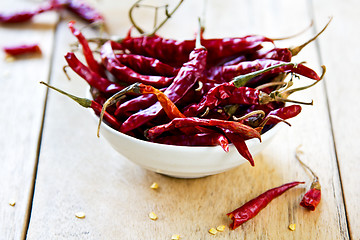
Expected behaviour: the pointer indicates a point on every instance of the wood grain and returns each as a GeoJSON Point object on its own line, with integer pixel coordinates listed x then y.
{"type": "Point", "coordinates": [341, 43]}
{"type": "Point", "coordinates": [21, 112]}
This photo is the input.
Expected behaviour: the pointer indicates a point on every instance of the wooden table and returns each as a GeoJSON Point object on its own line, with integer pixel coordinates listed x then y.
{"type": "Point", "coordinates": [53, 165]}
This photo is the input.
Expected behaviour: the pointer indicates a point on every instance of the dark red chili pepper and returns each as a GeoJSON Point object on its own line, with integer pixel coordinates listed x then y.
{"type": "Point", "coordinates": [134, 105]}
{"type": "Point", "coordinates": [283, 113]}
{"type": "Point", "coordinates": [200, 139]}
{"type": "Point", "coordinates": [228, 73]}
{"type": "Point", "coordinates": [87, 103]}
{"type": "Point", "coordinates": [186, 78]}
{"type": "Point", "coordinates": [162, 49]}
{"type": "Point", "coordinates": [88, 54]}
{"type": "Point", "coordinates": [312, 197]}
{"type": "Point", "coordinates": [126, 74]}
{"type": "Point", "coordinates": [239, 143]}
{"type": "Point", "coordinates": [146, 65]}
{"type": "Point", "coordinates": [254, 206]}
{"type": "Point", "coordinates": [95, 80]}
{"type": "Point", "coordinates": [280, 54]}
{"type": "Point", "coordinates": [22, 49]}
{"type": "Point", "coordinates": [224, 94]}
{"type": "Point", "coordinates": [245, 131]}
{"type": "Point", "coordinates": [81, 9]}
{"type": "Point", "coordinates": [25, 16]}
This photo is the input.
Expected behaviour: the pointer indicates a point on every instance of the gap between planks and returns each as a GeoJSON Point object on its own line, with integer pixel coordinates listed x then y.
{"type": "Point", "coordinates": [347, 231]}
{"type": "Point", "coordinates": [38, 149]}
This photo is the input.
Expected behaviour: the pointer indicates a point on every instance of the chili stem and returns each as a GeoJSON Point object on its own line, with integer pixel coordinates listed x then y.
{"type": "Point", "coordinates": [241, 80]}
{"type": "Point", "coordinates": [295, 50]}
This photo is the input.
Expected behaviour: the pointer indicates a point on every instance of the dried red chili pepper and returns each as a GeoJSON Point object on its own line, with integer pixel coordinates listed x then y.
{"type": "Point", "coordinates": [126, 74]}
{"type": "Point", "coordinates": [228, 73]}
{"type": "Point", "coordinates": [95, 80]}
{"type": "Point", "coordinates": [254, 206]}
{"type": "Point", "coordinates": [25, 16]}
{"type": "Point", "coordinates": [243, 130]}
{"type": "Point", "coordinates": [161, 48]}
{"type": "Point", "coordinates": [22, 49]}
{"type": "Point", "coordinates": [186, 78]}
{"type": "Point", "coordinates": [240, 145]}
{"type": "Point", "coordinates": [312, 198]}
{"type": "Point", "coordinates": [81, 9]}
{"type": "Point", "coordinates": [146, 65]}
{"type": "Point", "coordinates": [200, 139]}
{"type": "Point", "coordinates": [88, 54]}
{"type": "Point", "coordinates": [87, 103]}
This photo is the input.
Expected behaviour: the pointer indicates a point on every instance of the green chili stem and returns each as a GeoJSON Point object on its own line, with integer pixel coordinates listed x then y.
{"type": "Point", "coordinates": [241, 80]}
{"type": "Point", "coordinates": [82, 101]}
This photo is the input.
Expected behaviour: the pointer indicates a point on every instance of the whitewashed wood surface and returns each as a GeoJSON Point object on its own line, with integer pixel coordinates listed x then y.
{"type": "Point", "coordinates": [53, 165]}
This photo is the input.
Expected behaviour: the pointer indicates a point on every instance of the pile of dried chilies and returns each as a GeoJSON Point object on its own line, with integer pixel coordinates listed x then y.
{"type": "Point", "coordinates": [200, 92]}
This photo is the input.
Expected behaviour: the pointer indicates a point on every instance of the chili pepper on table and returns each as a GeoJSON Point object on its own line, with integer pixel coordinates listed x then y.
{"type": "Point", "coordinates": [228, 73]}
{"type": "Point", "coordinates": [95, 80]}
{"type": "Point", "coordinates": [88, 54]}
{"type": "Point", "coordinates": [25, 16]}
{"type": "Point", "coordinates": [87, 103]}
{"type": "Point", "coordinates": [22, 49]}
{"type": "Point", "coordinates": [312, 197]}
{"type": "Point", "coordinates": [254, 206]}
{"type": "Point", "coordinates": [126, 74]}
{"type": "Point", "coordinates": [81, 9]}
{"type": "Point", "coordinates": [146, 65]}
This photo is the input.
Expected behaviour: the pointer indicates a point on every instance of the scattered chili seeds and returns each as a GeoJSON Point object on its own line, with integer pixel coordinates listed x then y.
{"type": "Point", "coordinates": [154, 185]}
{"type": "Point", "coordinates": [80, 215]}
{"type": "Point", "coordinates": [175, 237]}
{"type": "Point", "coordinates": [153, 216]}
{"type": "Point", "coordinates": [12, 202]}
{"type": "Point", "coordinates": [292, 227]}
{"type": "Point", "coordinates": [212, 231]}
{"type": "Point", "coordinates": [221, 228]}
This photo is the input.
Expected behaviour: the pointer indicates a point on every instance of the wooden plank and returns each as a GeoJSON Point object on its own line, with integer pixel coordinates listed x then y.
{"type": "Point", "coordinates": [21, 114]}
{"type": "Point", "coordinates": [339, 52]}
{"type": "Point", "coordinates": [78, 172]}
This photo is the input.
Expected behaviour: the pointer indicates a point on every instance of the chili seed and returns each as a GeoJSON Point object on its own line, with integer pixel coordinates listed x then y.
{"type": "Point", "coordinates": [175, 237]}
{"type": "Point", "coordinates": [212, 231]}
{"type": "Point", "coordinates": [80, 215]}
{"type": "Point", "coordinates": [153, 216]}
{"type": "Point", "coordinates": [154, 185]}
{"type": "Point", "coordinates": [292, 227]}
{"type": "Point", "coordinates": [12, 202]}
{"type": "Point", "coordinates": [220, 228]}
{"type": "Point", "coordinates": [9, 58]}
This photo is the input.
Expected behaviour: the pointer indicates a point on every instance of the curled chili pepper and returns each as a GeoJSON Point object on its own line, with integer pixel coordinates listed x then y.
{"type": "Point", "coordinates": [89, 57]}
{"type": "Point", "coordinates": [254, 206]}
{"type": "Point", "coordinates": [95, 80]}
{"type": "Point", "coordinates": [126, 74]}
{"type": "Point", "coordinates": [313, 196]}
{"type": "Point", "coordinates": [22, 50]}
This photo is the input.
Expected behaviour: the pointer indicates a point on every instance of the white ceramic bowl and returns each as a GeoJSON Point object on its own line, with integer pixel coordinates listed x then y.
{"type": "Point", "coordinates": [181, 161]}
